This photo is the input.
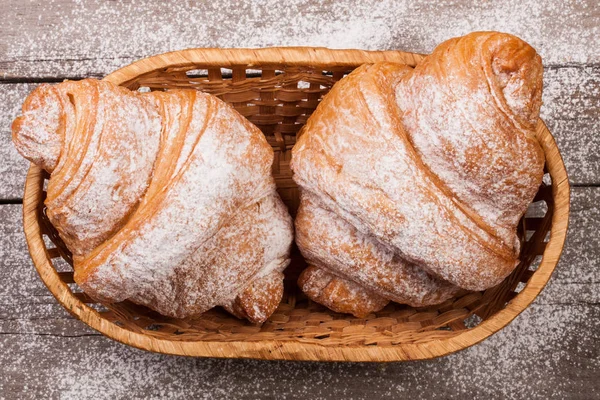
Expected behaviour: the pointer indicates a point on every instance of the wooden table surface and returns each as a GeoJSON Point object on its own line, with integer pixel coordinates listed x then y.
{"type": "Point", "coordinates": [551, 351]}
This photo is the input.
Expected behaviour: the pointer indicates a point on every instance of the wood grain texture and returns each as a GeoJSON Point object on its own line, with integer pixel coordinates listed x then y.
{"type": "Point", "coordinates": [571, 110]}
{"type": "Point", "coordinates": [559, 331]}
{"type": "Point", "coordinates": [65, 38]}
{"type": "Point", "coordinates": [513, 364]}
{"type": "Point", "coordinates": [550, 351]}
{"type": "Point", "coordinates": [13, 167]}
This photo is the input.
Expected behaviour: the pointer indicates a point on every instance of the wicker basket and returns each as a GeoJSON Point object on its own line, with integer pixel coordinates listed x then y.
{"type": "Point", "coordinates": [277, 89]}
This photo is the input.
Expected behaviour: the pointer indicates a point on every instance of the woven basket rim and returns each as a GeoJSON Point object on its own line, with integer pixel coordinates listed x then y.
{"type": "Point", "coordinates": [296, 350]}
{"type": "Point", "coordinates": [318, 57]}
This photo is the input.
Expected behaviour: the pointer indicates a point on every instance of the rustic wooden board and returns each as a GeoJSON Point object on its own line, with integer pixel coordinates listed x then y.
{"type": "Point", "coordinates": [571, 110]}
{"type": "Point", "coordinates": [550, 351]}
{"type": "Point", "coordinates": [13, 167]}
{"type": "Point", "coordinates": [64, 358]}
{"type": "Point", "coordinates": [62, 38]}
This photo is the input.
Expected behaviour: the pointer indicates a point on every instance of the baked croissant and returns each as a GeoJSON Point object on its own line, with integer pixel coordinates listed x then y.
{"type": "Point", "coordinates": [413, 181]}
{"type": "Point", "coordinates": [164, 198]}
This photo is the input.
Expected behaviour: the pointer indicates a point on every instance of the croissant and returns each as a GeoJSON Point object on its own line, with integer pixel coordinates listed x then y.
{"type": "Point", "coordinates": [165, 199]}
{"type": "Point", "coordinates": [413, 180]}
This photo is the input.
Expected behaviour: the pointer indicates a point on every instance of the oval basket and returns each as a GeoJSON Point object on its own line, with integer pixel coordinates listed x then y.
{"type": "Point", "coordinates": [277, 89]}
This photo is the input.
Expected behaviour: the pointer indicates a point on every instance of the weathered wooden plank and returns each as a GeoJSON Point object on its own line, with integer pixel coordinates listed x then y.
{"type": "Point", "coordinates": [562, 339]}
{"type": "Point", "coordinates": [571, 93]}
{"type": "Point", "coordinates": [13, 167]}
{"type": "Point", "coordinates": [66, 38]}
{"type": "Point", "coordinates": [60, 327]}
{"type": "Point", "coordinates": [577, 277]}
{"type": "Point", "coordinates": [579, 141]}
{"type": "Point", "coordinates": [550, 351]}
{"type": "Point", "coordinates": [46, 353]}
{"type": "Point", "coordinates": [580, 261]}
{"type": "Point", "coordinates": [571, 109]}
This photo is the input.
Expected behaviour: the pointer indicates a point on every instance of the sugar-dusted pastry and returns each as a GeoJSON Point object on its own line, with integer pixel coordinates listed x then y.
{"type": "Point", "coordinates": [364, 267]}
{"type": "Point", "coordinates": [413, 181]}
{"type": "Point", "coordinates": [164, 198]}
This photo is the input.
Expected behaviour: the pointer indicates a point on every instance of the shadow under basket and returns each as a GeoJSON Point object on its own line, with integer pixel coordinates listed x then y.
{"type": "Point", "coordinates": [277, 89]}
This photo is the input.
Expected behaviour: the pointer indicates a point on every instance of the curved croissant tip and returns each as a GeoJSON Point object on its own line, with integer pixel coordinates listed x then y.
{"type": "Point", "coordinates": [37, 132]}
{"type": "Point", "coordinates": [512, 68]}
{"type": "Point", "coordinates": [518, 72]}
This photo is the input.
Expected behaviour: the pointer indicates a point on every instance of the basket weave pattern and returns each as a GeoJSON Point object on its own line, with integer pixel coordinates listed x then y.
{"type": "Point", "coordinates": [277, 90]}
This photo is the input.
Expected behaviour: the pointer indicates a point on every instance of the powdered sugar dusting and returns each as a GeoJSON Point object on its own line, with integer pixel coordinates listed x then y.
{"type": "Point", "coordinates": [467, 132]}
{"type": "Point", "coordinates": [377, 201]}
{"type": "Point", "coordinates": [328, 241]}
{"type": "Point", "coordinates": [59, 38]}
{"type": "Point", "coordinates": [355, 159]}
{"type": "Point", "coordinates": [571, 111]}
{"type": "Point", "coordinates": [86, 38]}
{"type": "Point", "coordinates": [549, 351]}
{"type": "Point", "coordinates": [38, 125]}
{"type": "Point", "coordinates": [162, 203]}
{"type": "Point", "coordinates": [13, 167]}
{"type": "Point", "coordinates": [104, 167]}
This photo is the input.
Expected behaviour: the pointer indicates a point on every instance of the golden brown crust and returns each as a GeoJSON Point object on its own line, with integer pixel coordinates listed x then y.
{"type": "Point", "coordinates": [259, 299]}
{"type": "Point", "coordinates": [487, 86]}
{"type": "Point", "coordinates": [436, 165]}
{"type": "Point", "coordinates": [165, 199]}
{"type": "Point", "coordinates": [339, 294]}
{"type": "Point", "coordinates": [328, 240]}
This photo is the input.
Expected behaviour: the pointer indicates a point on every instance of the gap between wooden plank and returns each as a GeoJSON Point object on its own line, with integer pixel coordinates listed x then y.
{"type": "Point", "coordinates": [11, 201]}
{"type": "Point", "coordinates": [8, 78]}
